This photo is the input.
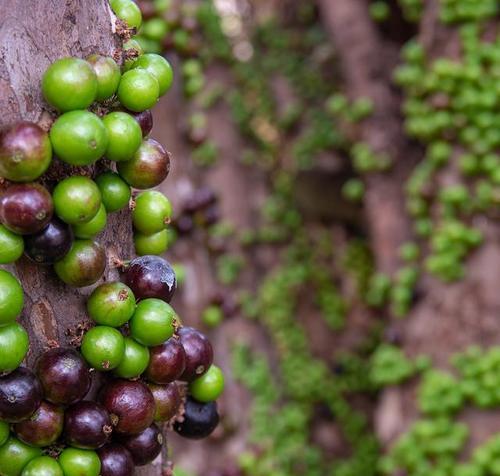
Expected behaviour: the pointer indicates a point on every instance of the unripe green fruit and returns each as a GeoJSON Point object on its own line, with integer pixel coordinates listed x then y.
{"type": "Point", "coordinates": [138, 90]}
{"type": "Point", "coordinates": [125, 136]}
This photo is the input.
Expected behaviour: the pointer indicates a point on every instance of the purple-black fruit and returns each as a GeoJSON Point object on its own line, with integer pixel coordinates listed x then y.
{"type": "Point", "coordinates": [49, 245]}
{"type": "Point", "coordinates": [199, 353]}
{"type": "Point", "coordinates": [200, 419]}
{"type": "Point", "coordinates": [145, 120]}
{"type": "Point", "coordinates": [145, 446]}
{"type": "Point", "coordinates": [116, 460]}
{"type": "Point", "coordinates": [167, 362]}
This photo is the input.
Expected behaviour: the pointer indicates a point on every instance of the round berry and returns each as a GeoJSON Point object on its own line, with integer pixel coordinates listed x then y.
{"type": "Point", "coordinates": [25, 152]}
{"type": "Point", "coordinates": [145, 121]}
{"type": "Point", "coordinates": [155, 244]}
{"type": "Point", "coordinates": [83, 265]}
{"type": "Point", "coordinates": [42, 466]}
{"type": "Point", "coordinates": [167, 400]}
{"type": "Point", "coordinates": [15, 455]}
{"type": "Point", "coordinates": [11, 246]}
{"type": "Point", "coordinates": [127, 11]}
{"type": "Point", "coordinates": [135, 360]}
{"type": "Point", "coordinates": [138, 90]}
{"type": "Point", "coordinates": [116, 460]}
{"type": "Point", "coordinates": [125, 136]}
{"type": "Point", "coordinates": [152, 322]}
{"type": "Point", "coordinates": [152, 212]}
{"type": "Point", "coordinates": [199, 353]}
{"type": "Point", "coordinates": [51, 244]}
{"type": "Point", "coordinates": [145, 446]}
{"type": "Point", "coordinates": [76, 199]}
{"type": "Point", "coordinates": [200, 419]}
{"type": "Point", "coordinates": [43, 428]}
{"type": "Point", "coordinates": [93, 227]}
{"type": "Point", "coordinates": [78, 462]}
{"type": "Point", "coordinates": [14, 345]}
{"type": "Point", "coordinates": [209, 386]}
{"type": "Point", "coordinates": [111, 304]}
{"type": "Point", "coordinates": [11, 298]}
{"type": "Point", "coordinates": [115, 192]}
{"type": "Point", "coordinates": [69, 84]}
{"type": "Point", "coordinates": [79, 138]}
{"type": "Point", "coordinates": [167, 362]}
{"type": "Point", "coordinates": [103, 347]}
{"type": "Point", "coordinates": [108, 75]}
{"type": "Point", "coordinates": [159, 67]}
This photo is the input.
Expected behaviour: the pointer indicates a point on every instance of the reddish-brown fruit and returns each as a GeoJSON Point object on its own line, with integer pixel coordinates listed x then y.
{"type": "Point", "coordinates": [199, 353]}
{"type": "Point", "coordinates": [167, 400]}
{"type": "Point", "coordinates": [145, 446]}
{"type": "Point", "coordinates": [167, 362]}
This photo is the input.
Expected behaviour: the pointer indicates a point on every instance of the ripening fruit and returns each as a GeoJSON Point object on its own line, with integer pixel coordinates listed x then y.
{"type": "Point", "coordinates": [69, 84]}
{"type": "Point", "coordinates": [116, 460]}
{"type": "Point", "coordinates": [79, 138]}
{"type": "Point", "coordinates": [11, 298]}
{"type": "Point", "coordinates": [15, 455]}
{"type": "Point", "coordinates": [124, 134]}
{"type": "Point", "coordinates": [167, 362]}
{"type": "Point", "coordinates": [167, 400]}
{"type": "Point", "coordinates": [152, 212]}
{"type": "Point", "coordinates": [115, 192]}
{"type": "Point", "coordinates": [77, 199]}
{"type": "Point", "coordinates": [78, 462]}
{"type": "Point", "coordinates": [209, 386]}
{"type": "Point", "coordinates": [138, 90]}
{"type": "Point", "coordinates": [155, 244]}
{"type": "Point", "coordinates": [14, 345]}
{"type": "Point", "coordinates": [127, 11]}
{"type": "Point", "coordinates": [145, 121]}
{"type": "Point", "coordinates": [152, 322]}
{"type": "Point", "coordinates": [43, 428]}
{"type": "Point", "coordinates": [108, 75]}
{"type": "Point", "coordinates": [145, 446]}
{"type": "Point", "coordinates": [42, 466]}
{"type": "Point", "coordinates": [11, 246]}
{"type": "Point", "coordinates": [93, 227]}
{"type": "Point", "coordinates": [200, 419]}
{"type": "Point", "coordinates": [103, 347]}
{"type": "Point", "coordinates": [159, 67]}
{"type": "Point", "coordinates": [25, 152]}
{"type": "Point", "coordinates": [111, 304]}
{"type": "Point", "coordinates": [135, 360]}
{"type": "Point", "coordinates": [199, 353]}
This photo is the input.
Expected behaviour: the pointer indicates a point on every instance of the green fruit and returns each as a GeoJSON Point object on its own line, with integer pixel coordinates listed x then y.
{"type": "Point", "coordinates": [159, 67]}
{"type": "Point", "coordinates": [4, 432]}
{"type": "Point", "coordinates": [11, 298]}
{"type": "Point", "coordinates": [11, 246]}
{"type": "Point", "coordinates": [43, 466]}
{"type": "Point", "coordinates": [115, 192]}
{"type": "Point", "coordinates": [15, 455]}
{"type": "Point", "coordinates": [212, 316]}
{"type": "Point", "coordinates": [76, 462]}
{"type": "Point", "coordinates": [125, 136]}
{"type": "Point", "coordinates": [152, 322]}
{"type": "Point", "coordinates": [79, 138]}
{"type": "Point", "coordinates": [103, 347]}
{"type": "Point", "coordinates": [92, 227]}
{"type": "Point", "coordinates": [155, 244]}
{"type": "Point", "coordinates": [155, 29]}
{"type": "Point", "coordinates": [138, 90]}
{"type": "Point", "coordinates": [152, 212]}
{"type": "Point", "coordinates": [132, 50]}
{"type": "Point", "coordinates": [83, 265]}
{"type": "Point", "coordinates": [14, 345]}
{"type": "Point", "coordinates": [209, 386]}
{"type": "Point", "coordinates": [69, 84]}
{"type": "Point", "coordinates": [111, 304]}
{"type": "Point", "coordinates": [108, 75]}
{"type": "Point", "coordinates": [135, 360]}
{"type": "Point", "coordinates": [77, 199]}
{"type": "Point", "coordinates": [127, 11]}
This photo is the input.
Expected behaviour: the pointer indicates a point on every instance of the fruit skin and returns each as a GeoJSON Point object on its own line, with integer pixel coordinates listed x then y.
{"type": "Point", "coordinates": [152, 212]}
{"type": "Point", "coordinates": [145, 446]}
{"type": "Point", "coordinates": [145, 120]}
{"type": "Point", "coordinates": [111, 304]}
{"type": "Point", "coordinates": [148, 168]}
{"type": "Point", "coordinates": [42, 466]}
{"type": "Point", "coordinates": [152, 322]}
{"type": "Point", "coordinates": [11, 246]}
{"type": "Point", "coordinates": [127, 11]}
{"type": "Point", "coordinates": [124, 134]}
{"type": "Point", "coordinates": [64, 375]}
{"type": "Point", "coordinates": [14, 345]}
{"type": "Point", "coordinates": [84, 196]}
{"type": "Point", "coordinates": [115, 192]}
{"type": "Point", "coordinates": [4, 432]}
{"type": "Point", "coordinates": [116, 460]}
{"type": "Point", "coordinates": [15, 455]}
{"type": "Point", "coordinates": [11, 298]}
{"type": "Point", "coordinates": [138, 90]}
{"type": "Point", "coordinates": [135, 360]}
{"type": "Point", "coordinates": [83, 265]}
{"type": "Point", "coordinates": [78, 462]}
{"type": "Point", "coordinates": [43, 428]}
{"type": "Point", "coordinates": [151, 277]}
{"type": "Point", "coordinates": [69, 84]}
{"type": "Point", "coordinates": [79, 138]}
{"type": "Point", "coordinates": [199, 353]}
{"type": "Point", "coordinates": [107, 73]}
{"type": "Point", "coordinates": [20, 395]}
{"type": "Point", "coordinates": [87, 425]}
{"type": "Point", "coordinates": [25, 152]}
{"type": "Point", "coordinates": [167, 362]}
{"type": "Point", "coordinates": [51, 244]}
{"type": "Point", "coordinates": [167, 399]}
{"type": "Point", "coordinates": [209, 386]}
{"type": "Point", "coordinates": [200, 419]}
{"type": "Point", "coordinates": [159, 67]}
{"type": "Point", "coordinates": [92, 227]}
{"type": "Point", "coordinates": [103, 347]}
{"type": "Point", "coordinates": [132, 402]}
{"type": "Point", "coordinates": [155, 244]}
{"type": "Point", "coordinates": [26, 208]}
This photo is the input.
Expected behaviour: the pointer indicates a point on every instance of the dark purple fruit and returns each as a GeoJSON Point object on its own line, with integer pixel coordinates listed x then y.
{"type": "Point", "coordinates": [87, 425]}
{"type": "Point", "coordinates": [26, 208]}
{"type": "Point", "coordinates": [151, 277]}
{"type": "Point", "coordinates": [167, 400]}
{"type": "Point", "coordinates": [184, 224]}
{"type": "Point", "coordinates": [116, 460]}
{"type": "Point", "coordinates": [145, 120]}
{"type": "Point", "coordinates": [43, 428]}
{"type": "Point", "coordinates": [200, 419]}
{"type": "Point", "coordinates": [200, 199]}
{"type": "Point", "coordinates": [131, 405]}
{"type": "Point", "coordinates": [20, 395]}
{"type": "Point", "coordinates": [145, 446]}
{"type": "Point", "coordinates": [199, 353]}
{"type": "Point", "coordinates": [49, 245]}
{"type": "Point", "coordinates": [64, 375]}
{"type": "Point", "coordinates": [167, 362]}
